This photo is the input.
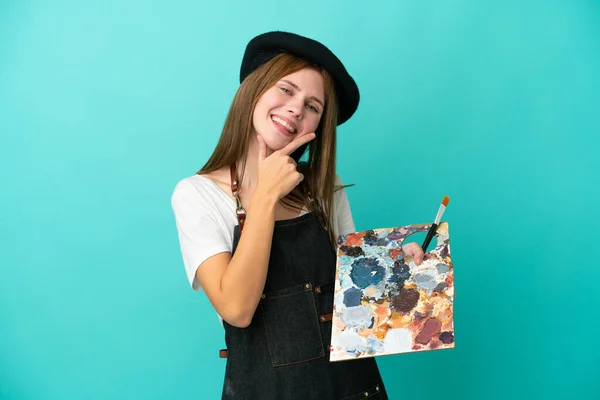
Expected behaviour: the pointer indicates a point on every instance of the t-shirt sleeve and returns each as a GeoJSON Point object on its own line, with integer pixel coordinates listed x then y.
{"type": "Point", "coordinates": [342, 214]}
{"type": "Point", "coordinates": [200, 235]}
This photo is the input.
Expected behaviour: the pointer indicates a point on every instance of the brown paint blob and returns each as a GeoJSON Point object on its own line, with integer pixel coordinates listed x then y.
{"type": "Point", "coordinates": [447, 337]}
{"type": "Point", "coordinates": [431, 327]}
{"type": "Point", "coordinates": [406, 300]}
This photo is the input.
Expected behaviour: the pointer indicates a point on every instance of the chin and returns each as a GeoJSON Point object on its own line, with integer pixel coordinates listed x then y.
{"type": "Point", "coordinates": [274, 140]}
{"type": "Point", "coordinates": [275, 144]}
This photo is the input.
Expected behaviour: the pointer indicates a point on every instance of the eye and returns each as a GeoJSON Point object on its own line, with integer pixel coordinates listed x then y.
{"type": "Point", "coordinates": [312, 108]}
{"type": "Point", "coordinates": [285, 90]}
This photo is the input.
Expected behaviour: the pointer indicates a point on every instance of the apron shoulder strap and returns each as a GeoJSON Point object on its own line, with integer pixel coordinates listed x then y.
{"type": "Point", "coordinates": [240, 212]}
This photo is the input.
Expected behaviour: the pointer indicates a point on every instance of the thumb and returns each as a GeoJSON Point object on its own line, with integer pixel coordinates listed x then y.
{"type": "Point", "coordinates": [418, 258]}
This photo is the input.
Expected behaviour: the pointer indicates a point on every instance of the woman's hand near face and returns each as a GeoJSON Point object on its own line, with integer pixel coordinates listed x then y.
{"type": "Point", "coordinates": [277, 173]}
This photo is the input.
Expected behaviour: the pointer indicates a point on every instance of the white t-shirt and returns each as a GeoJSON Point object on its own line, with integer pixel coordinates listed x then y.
{"type": "Point", "coordinates": [206, 218]}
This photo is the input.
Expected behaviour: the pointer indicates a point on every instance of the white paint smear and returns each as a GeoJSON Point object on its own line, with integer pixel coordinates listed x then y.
{"type": "Point", "coordinates": [398, 341]}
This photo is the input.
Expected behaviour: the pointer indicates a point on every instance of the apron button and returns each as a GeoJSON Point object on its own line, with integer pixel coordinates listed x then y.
{"type": "Point", "coordinates": [377, 388]}
{"type": "Point", "coordinates": [318, 289]}
{"type": "Point", "coordinates": [263, 296]}
{"type": "Point", "coordinates": [308, 286]}
{"type": "Point", "coordinates": [366, 394]}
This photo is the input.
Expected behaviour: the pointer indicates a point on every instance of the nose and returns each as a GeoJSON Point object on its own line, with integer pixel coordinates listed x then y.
{"type": "Point", "coordinates": [295, 108]}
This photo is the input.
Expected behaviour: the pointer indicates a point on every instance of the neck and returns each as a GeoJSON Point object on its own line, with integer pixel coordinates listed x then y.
{"type": "Point", "coordinates": [251, 167]}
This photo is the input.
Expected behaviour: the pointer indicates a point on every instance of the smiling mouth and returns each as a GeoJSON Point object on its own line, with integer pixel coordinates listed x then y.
{"type": "Point", "coordinates": [284, 124]}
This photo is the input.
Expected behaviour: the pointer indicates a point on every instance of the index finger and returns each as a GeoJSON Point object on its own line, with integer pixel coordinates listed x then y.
{"type": "Point", "coordinates": [297, 142]}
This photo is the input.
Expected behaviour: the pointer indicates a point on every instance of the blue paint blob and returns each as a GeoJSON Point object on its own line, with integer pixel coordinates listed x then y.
{"type": "Point", "coordinates": [372, 239]}
{"type": "Point", "coordinates": [352, 297]}
{"type": "Point", "coordinates": [440, 287]}
{"type": "Point", "coordinates": [366, 272]}
{"type": "Point", "coordinates": [425, 282]}
{"type": "Point", "coordinates": [400, 273]}
{"type": "Point", "coordinates": [345, 260]}
{"type": "Point", "coordinates": [442, 268]}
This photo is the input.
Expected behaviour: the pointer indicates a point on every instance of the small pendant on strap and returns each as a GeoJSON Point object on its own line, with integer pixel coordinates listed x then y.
{"type": "Point", "coordinates": [240, 212]}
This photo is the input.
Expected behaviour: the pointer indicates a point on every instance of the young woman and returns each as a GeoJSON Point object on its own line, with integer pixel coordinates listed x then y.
{"type": "Point", "coordinates": [258, 228]}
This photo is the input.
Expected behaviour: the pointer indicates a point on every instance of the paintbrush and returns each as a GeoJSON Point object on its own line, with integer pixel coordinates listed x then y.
{"type": "Point", "coordinates": [434, 226]}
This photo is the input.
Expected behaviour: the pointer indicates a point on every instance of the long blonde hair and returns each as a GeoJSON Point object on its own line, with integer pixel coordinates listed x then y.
{"type": "Point", "coordinates": [316, 191]}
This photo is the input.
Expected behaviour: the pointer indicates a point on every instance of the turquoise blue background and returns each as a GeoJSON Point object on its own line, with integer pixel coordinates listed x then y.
{"type": "Point", "coordinates": [104, 106]}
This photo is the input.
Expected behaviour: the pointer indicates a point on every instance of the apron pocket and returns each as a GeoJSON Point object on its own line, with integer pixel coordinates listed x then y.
{"type": "Point", "coordinates": [372, 393]}
{"type": "Point", "coordinates": [292, 325]}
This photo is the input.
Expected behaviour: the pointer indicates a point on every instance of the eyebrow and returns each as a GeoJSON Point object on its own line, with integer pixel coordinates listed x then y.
{"type": "Point", "coordinates": [297, 88]}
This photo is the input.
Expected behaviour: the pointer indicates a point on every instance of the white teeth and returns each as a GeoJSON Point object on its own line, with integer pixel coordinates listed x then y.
{"type": "Point", "coordinates": [282, 122]}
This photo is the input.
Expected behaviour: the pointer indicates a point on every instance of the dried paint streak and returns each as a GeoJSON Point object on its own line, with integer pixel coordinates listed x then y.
{"type": "Point", "coordinates": [386, 304]}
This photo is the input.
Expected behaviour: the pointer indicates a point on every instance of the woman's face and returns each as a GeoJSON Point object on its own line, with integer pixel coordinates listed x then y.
{"type": "Point", "coordinates": [290, 108]}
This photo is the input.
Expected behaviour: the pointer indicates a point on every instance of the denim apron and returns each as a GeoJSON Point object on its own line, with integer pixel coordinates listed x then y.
{"type": "Point", "coordinates": [284, 352]}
